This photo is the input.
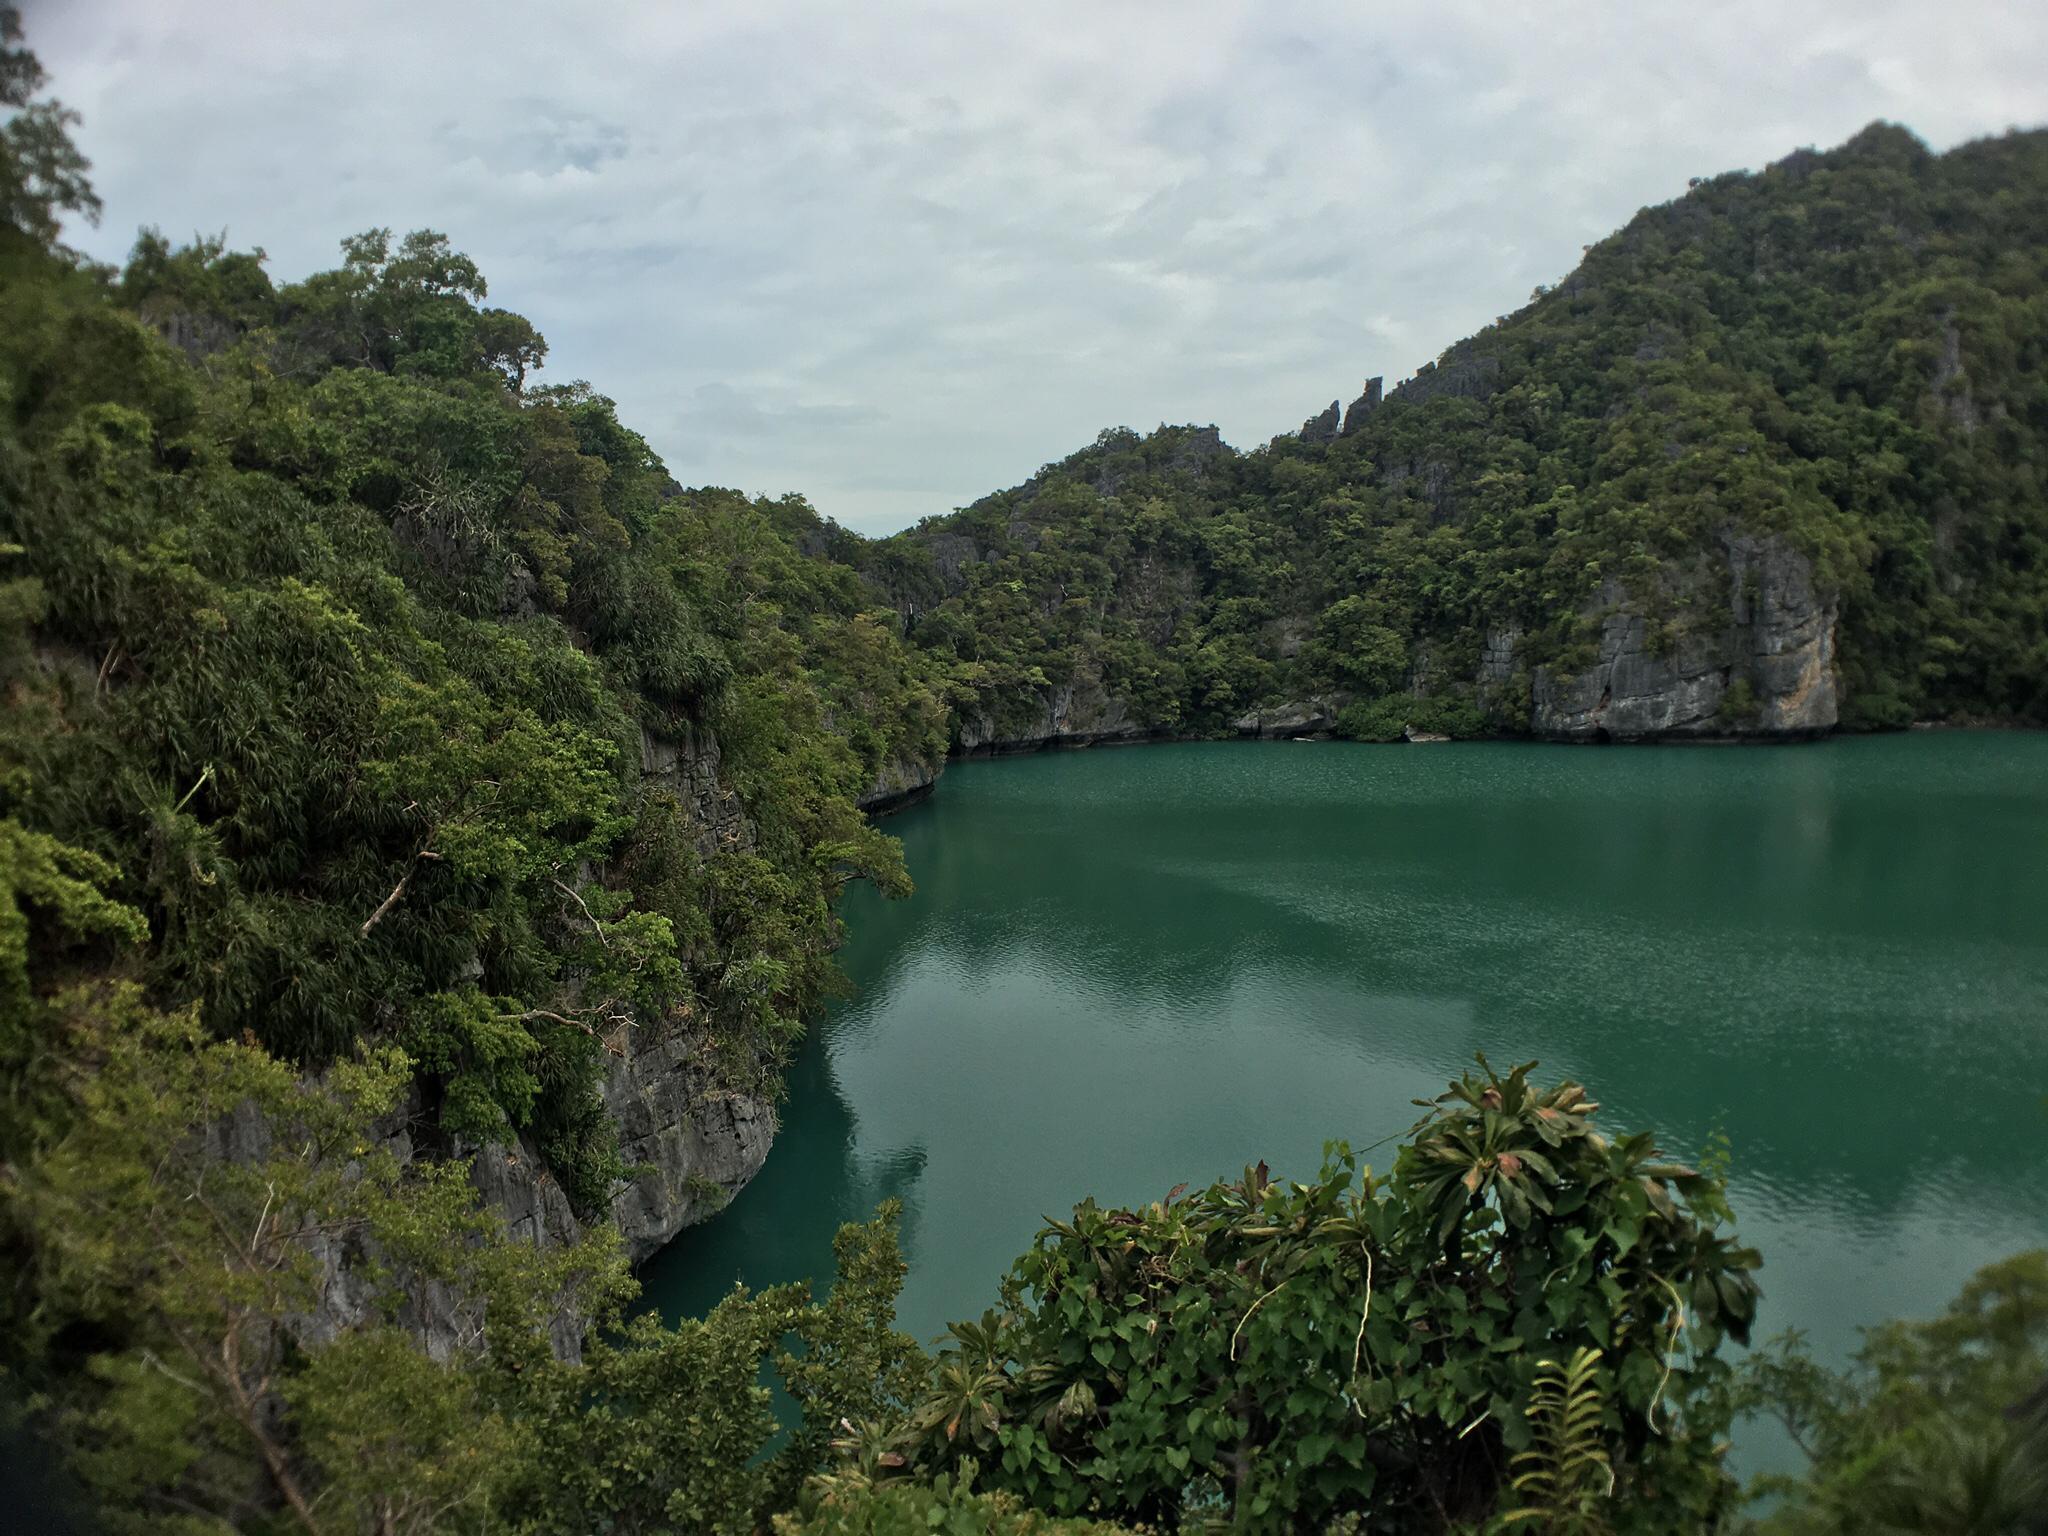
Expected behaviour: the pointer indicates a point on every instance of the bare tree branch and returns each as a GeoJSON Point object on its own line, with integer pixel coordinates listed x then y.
{"type": "Point", "coordinates": [397, 891]}
{"type": "Point", "coordinates": [589, 1029]}
{"type": "Point", "coordinates": [594, 923]}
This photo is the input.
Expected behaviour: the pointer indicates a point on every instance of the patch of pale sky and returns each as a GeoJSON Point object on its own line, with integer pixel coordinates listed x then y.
{"type": "Point", "coordinates": [897, 255]}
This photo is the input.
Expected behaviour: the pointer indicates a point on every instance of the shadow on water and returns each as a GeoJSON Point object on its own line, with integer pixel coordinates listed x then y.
{"type": "Point", "coordinates": [1122, 970]}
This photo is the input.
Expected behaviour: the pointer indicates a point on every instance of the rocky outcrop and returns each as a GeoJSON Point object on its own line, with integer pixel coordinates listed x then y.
{"type": "Point", "coordinates": [1769, 671]}
{"type": "Point", "coordinates": [1431, 479]}
{"type": "Point", "coordinates": [1356, 413]}
{"type": "Point", "coordinates": [696, 1144]}
{"type": "Point", "coordinates": [1301, 717]}
{"type": "Point", "coordinates": [688, 767]}
{"type": "Point", "coordinates": [952, 554]}
{"type": "Point", "coordinates": [1499, 685]}
{"type": "Point", "coordinates": [352, 1290]}
{"type": "Point", "coordinates": [1951, 385]}
{"type": "Point", "coordinates": [1198, 448]}
{"type": "Point", "coordinates": [1076, 713]}
{"type": "Point", "coordinates": [692, 1144]}
{"type": "Point", "coordinates": [1323, 428]}
{"type": "Point", "coordinates": [1498, 656]}
{"type": "Point", "coordinates": [1463, 375]}
{"type": "Point", "coordinates": [197, 336]}
{"type": "Point", "coordinates": [897, 783]}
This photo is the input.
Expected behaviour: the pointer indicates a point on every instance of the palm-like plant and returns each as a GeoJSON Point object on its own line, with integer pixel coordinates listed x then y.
{"type": "Point", "coordinates": [1957, 1478]}
{"type": "Point", "coordinates": [1500, 1146]}
{"type": "Point", "coordinates": [968, 1387]}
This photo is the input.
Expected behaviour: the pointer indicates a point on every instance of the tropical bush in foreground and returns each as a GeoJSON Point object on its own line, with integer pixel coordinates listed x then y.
{"type": "Point", "coordinates": [1286, 1353]}
{"type": "Point", "coordinates": [1277, 1354]}
{"type": "Point", "coordinates": [1518, 1329]}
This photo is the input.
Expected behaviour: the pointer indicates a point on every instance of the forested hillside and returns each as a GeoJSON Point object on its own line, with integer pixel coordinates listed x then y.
{"type": "Point", "coordinates": [420, 822]}
{"type": "Point", "coordinates": [364, 659]}
{"type": "Point", "coordinates": [1769, 460]}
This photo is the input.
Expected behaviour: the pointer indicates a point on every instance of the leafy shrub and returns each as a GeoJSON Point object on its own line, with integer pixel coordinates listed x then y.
{"type": "Point", "coordinates": [1373, 1346]}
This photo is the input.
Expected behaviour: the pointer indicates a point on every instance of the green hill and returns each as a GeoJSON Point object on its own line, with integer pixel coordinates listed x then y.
{"type": "Point", "coordinates": [1767, 462]}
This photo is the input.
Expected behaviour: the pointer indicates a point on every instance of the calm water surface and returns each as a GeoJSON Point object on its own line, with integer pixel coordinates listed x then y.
{"type": "Point", "coordinates": [1126, 969]}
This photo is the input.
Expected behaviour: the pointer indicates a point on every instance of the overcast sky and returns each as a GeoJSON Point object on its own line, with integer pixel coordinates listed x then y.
{"type": "Point", "coordinates": [895, 256]}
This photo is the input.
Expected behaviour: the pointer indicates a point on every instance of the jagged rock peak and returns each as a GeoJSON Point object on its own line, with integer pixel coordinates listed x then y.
{"type": "Point", "coordinates": [1363, 406]}
{"type": "Point", "coordinates": [1458, 373]}
{"type": "Point", "coordinates": [1323, 428]}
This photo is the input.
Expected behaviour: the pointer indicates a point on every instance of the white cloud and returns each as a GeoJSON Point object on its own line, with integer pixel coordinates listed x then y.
{"type": "Point", "coordinates": [897, 255]}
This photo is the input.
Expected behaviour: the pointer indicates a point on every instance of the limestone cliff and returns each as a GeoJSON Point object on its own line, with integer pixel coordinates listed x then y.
{"type": "Point", "coordinates": [1078, 712]}
{"type": "Point", "coordinates": [1300, 717]}
{"type": "Point", "coordinates": [1323, 428]}
{"type": "Point", "coordinates": [693, 1143]}
{"type": "Point", "coordinates": [1356, 413]}
{"type": "Point", "coordinates": [690, 769]}
{"type": "Point", "coordinates": [897, 783]}
{"type": "Point", "coordinates": [1768, 671]}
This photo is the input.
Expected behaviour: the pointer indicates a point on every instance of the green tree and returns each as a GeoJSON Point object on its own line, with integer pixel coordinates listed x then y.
{"type": "Point", "coordinates": [203, 1196]}
{"type": "Point", "coordinates": [1939, 1426]}
{"type": "Point", "coordinates": [42, 174]}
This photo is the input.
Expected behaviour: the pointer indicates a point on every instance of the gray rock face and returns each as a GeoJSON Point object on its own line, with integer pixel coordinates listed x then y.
{"type": "Point", "coordinates": [701, 1145]}
{"type": "Point", "coordinates": [696, 1144]}
{"type": "Point", "coordinates": [1362, 407]}
{"type": "Point", "coordinates": [1323, 428]}
{"type": "Point", "coordinates": [690, 770]}
{"type": "Point", "coordinates": [1497, 659]}
{"type": "Point", "coordinates": [897, 783]}
{"type": "Point", "coordinates": [1432, 479]}
{"type": "Point", "coordinates": [1463, 374]}
{"type": "Point", "coordinates": [1201, 445]}
{"type": "Point", "coordinates": [1302, 717]}
{"type": "Point", "coordinates": [1951, 381]}
{"type": "Point", "coordinates": [1779, 640]}
{"type": "Point", "coordinates": [197, 336]}
{"type": "Point", "coordinates": [1495, 685]}
{"type": "Point", "coordinates": [952, 554]}
{"type": "Point", "coordinates": [1076, 713]}
{"type": "Point", "coordinates": [347, 1299]}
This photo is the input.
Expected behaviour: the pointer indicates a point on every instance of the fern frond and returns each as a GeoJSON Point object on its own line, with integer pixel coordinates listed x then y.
{"type": "Point", "coordinates": [1565, 1473]}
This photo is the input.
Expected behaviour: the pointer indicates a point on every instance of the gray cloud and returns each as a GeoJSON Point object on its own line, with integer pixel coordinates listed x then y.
{"type": "Point", "coordinates": [899, 254]}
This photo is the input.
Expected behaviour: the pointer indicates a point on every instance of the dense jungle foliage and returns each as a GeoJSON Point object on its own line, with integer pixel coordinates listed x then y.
{"type": "Point", "coordinates": [389, 744]}
{"type": "Point", "coordinates": [1842, 355]}
{"type": "Point", "coordinates": [346, 646]}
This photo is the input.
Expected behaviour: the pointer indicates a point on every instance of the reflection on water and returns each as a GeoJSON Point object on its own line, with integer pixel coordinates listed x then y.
{"type": "Point", "coordinates": [1127, 969]}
